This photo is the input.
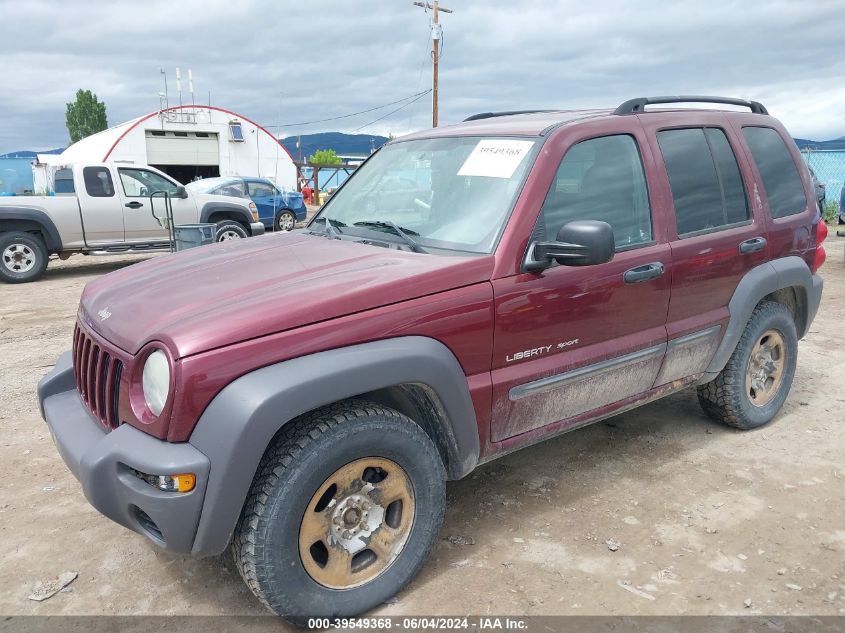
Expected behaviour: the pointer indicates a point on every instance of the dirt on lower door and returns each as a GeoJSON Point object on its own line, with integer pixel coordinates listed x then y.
{"type": "Point", "coordinates": [655, 511]}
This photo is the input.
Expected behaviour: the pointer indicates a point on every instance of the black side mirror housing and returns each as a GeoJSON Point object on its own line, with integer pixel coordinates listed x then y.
{"type": "Point", "coordinates": [181, 192]}
{"type": "Point", "coordinates": [578, 243]}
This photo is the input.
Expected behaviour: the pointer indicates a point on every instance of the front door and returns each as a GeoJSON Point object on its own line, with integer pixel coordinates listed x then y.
{"type": "Point", "coordinates": [136, 185]}
{"type": "Point", "coordinates": [569, 341]}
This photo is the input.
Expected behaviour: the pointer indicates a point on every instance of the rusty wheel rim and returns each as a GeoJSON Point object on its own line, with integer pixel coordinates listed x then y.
{"type": "Point", "coordinates": [357, 523]}
{"type": "Point", "coordinates": [766, 365]}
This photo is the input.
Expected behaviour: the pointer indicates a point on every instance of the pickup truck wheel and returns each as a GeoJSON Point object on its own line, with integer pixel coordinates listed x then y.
{"type": "Point", "coordinates": [342, 514]}
{"type": "Point", "coordinates": [23, 257]}
{"type": "Point", "coordinates": [754, 384]}
{"type": "Point", "coordinates": [285, 220]}
{"type": "Point", "coordinates": [230, 230]}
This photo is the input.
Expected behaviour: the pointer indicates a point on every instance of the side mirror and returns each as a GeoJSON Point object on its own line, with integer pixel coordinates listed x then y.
{"type": "Point", "coordinates": [181, 192]}
{"type": "Point", "coordinates": [578, 243]}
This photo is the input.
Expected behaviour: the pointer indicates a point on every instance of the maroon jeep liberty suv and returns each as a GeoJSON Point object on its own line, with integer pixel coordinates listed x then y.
{"type": "Point", "coordinates": [469, 291]}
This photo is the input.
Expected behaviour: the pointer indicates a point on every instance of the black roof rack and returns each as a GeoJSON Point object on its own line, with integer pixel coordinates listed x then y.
{"type": "Point", "coordinates": [491, 115]}
{"type": "Point", "coordinates": [636, 106]}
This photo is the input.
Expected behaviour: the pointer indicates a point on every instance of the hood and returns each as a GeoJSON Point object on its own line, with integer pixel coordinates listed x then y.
{"type": "Point", "coordinates": [232, 291]}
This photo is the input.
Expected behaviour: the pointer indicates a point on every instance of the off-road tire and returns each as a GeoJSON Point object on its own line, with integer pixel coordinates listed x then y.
{"type": "Point", "coordinates": [266, 540]}
{"type": "Point", "coordinates": [725, 398]}
{"type": "Point", "coordinates": [33, 256]}
{"type": "Point", "coordinates": [227, 229]}
{"type": "Point", "coordinates": [282, 216]}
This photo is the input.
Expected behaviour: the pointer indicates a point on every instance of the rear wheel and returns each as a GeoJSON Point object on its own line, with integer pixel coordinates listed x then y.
{"type": "Point", "coordinates": [342, 514]}
{"type": "Point", "coordinates": [23, 257]}
{"type": "Point", "coordinates": [285, 220]}
{"type": "Point", "coordinates": [229, 230]}
{"type": "Point", "coordinates": [754, 384]}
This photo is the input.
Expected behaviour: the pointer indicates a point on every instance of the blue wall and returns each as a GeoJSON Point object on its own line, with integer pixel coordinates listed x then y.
{"type": "Point", "coordinates": [830, 169]}
{"type": "Point", "coordinates": [15, 175]}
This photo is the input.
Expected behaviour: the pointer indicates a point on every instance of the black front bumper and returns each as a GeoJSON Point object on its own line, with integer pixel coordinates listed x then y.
{"type": "Point", "coordinates": [102, 462]}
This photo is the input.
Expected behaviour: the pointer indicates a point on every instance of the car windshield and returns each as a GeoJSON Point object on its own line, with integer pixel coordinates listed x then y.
{"type": "Point", "coordinates": [448, 193]}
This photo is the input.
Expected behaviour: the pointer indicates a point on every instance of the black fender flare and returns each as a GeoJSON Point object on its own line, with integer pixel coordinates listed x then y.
{"type": "Point", "coordinates": [210, 208]}
{"type": "Point", "coordinates": [760, 281]}
{"type": "Point", "coordinates": [22, 218]}
{"type": "Point", "coordinates": [235, 430]}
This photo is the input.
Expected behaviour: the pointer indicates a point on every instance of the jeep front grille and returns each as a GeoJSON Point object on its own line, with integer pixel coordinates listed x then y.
{"type": "Point", "coordinates": [97, 374]}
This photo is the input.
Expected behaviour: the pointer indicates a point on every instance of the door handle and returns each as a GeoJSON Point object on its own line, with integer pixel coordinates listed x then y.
{"type": "Point", "coordinates": [134, 205]}
{"type": "Point", "coordinates": [753, 245]}
{"type": "Point", "coordinates": [643, 273]}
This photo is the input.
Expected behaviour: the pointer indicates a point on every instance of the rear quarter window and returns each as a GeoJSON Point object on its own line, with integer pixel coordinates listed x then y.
{"type": "Point", "coordinates": [780, 176]}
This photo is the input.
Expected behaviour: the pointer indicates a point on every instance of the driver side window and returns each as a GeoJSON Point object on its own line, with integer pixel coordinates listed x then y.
{"type": "Point", "coordinates": [140, 183]}
{"type": "Point", "coordinates": [601, 179]}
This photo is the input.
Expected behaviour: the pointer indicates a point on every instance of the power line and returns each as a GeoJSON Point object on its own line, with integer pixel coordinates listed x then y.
{"type": "Point", "coordinates": [405, 105]}
{"type": "Point", "coordinates": [416, 96]}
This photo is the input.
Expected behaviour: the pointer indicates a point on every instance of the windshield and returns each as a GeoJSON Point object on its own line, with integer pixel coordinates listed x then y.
{"type": "Point", "coordinates": [448, 193]}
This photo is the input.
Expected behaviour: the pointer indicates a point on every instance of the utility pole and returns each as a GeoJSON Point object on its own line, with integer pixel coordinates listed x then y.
{"type": "Point", "coordinates": [436, 33]}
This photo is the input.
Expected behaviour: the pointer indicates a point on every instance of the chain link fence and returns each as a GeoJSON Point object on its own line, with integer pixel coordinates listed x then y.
{"type": "Point", "coordinates": [829, 167]}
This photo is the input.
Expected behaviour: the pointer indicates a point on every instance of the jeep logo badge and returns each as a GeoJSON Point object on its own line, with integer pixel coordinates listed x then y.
{"type": "Point", "coordinates": [104, 313]}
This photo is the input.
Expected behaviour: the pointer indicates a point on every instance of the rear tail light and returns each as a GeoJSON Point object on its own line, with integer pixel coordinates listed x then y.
{"type": "Point", "coordinates": [821, 236]}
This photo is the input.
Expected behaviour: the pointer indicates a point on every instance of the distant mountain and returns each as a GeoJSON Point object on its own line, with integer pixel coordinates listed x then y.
{"type": "Point", "coordinates": [30, 154]}
{"type": "Point", "coordinates": [343, 144]}
{"type": "Point", "coordinates": [836, 144]}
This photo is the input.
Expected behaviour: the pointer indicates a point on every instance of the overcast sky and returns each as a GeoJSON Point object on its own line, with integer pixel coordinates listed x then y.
{"type": "Point", "coordinates": [281, 61]}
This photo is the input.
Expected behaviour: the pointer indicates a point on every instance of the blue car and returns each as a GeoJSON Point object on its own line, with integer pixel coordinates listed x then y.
{"type": "Point", "coordinates": [277, 210]}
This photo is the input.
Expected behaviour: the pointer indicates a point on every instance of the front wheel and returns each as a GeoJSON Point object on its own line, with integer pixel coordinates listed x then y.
{"type": "Point", "coordinates": [285, 220]}
{"type": "Point", "coordinates": [342, 514]}
{"type": "Point", "coordinates": [230, 230]}
{"type": "Point", "coordinates": [754, 384]}
{"type": "Point", "coordinates": [23, 257]}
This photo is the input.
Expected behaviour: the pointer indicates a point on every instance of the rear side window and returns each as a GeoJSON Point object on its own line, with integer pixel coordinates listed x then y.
{"type": "Point", "coordinates": [601, 179]}
{"type": "Point", "coordinates": [260, 190]}
{"type": "Point", "coordinates": [781, 180]}
{"type": "Point", "coordinates": [98, 183]}
{"type": "Point", "coordinates": [707, 187]}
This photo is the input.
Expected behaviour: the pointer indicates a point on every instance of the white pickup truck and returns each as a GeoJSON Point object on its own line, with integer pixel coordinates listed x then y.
{"type": "Point", "coordinates": [100, 209]}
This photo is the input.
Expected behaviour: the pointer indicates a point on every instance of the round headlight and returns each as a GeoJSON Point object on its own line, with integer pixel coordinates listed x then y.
{"type": "Point", "coordinates": [156, 381]}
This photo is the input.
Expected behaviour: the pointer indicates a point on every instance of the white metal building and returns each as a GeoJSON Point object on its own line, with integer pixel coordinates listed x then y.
{"type": "Point", "coordinates": [186, 142]}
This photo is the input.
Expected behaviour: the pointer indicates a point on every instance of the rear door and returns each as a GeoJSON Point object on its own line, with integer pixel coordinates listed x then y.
{"type": "Point", "coordinates": [101, 206]}
{"type": "Point", "coordinates": [716, 238]}
{"type": "Point", "coordinates": [571, 341]}
{"type": "Point", "coordinates": [136, 185]}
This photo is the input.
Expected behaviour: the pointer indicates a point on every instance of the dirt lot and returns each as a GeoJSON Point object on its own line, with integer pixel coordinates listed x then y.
{"type": "Point", "coordinates": [707, 518]}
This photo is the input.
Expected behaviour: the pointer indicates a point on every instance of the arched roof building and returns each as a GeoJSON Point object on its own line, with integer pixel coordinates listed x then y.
{"type": "Point", "coordinates": [188, 142]}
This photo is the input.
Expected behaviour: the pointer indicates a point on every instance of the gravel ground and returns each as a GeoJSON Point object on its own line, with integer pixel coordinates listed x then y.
{"type": "Point", "coordinates": [703, 519]}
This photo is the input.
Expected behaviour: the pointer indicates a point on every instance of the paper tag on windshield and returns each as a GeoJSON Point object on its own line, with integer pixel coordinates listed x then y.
{"type": "Point", "coordinates": [495, 158]}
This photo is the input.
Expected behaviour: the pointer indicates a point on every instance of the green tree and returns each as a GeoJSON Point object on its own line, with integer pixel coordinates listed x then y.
{"type": "Point", "coordinates": [325, 157]}
{"type": "Point", "coordinates": [85, 116]}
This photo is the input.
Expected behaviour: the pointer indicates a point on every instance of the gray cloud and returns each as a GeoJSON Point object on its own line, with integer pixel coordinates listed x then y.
{"type": "Point", "coordinates": [284, 62]}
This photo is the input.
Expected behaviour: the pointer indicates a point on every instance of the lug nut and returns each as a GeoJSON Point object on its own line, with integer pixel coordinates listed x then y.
{"type": "Point", "coordinates": [346, 534]}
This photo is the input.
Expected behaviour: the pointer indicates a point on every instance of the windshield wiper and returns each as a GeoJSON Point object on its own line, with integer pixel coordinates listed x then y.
{"type": "Point", "coordinates": [402, 233]}
{"type": "Point", "coordinates": [331, 231]}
